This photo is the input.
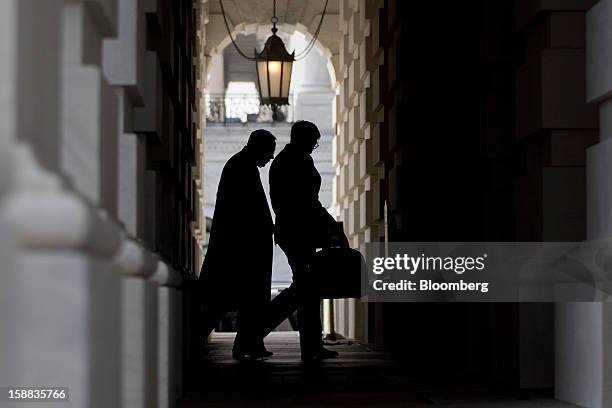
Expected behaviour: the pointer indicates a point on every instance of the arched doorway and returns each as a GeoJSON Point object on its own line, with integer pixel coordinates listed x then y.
{"type": "Point", "coordinates": [232, 112]}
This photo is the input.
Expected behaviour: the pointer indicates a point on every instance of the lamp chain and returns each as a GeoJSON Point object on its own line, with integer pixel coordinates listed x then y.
{"type": "Point", "coordinates": [229, 32]}
{"type": "Point", "coordinates": [274, 20]}
{"type": "Point", "coordinates": [312, 42]}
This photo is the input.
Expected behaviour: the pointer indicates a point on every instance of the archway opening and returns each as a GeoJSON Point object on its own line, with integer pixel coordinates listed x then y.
{"type": "Point", "coordinates": [233, 112]}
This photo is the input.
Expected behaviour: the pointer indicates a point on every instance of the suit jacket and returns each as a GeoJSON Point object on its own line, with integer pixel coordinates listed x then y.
{"type": "Point", "coordinates": [301, 219]}
{"type": "Point", "coordinates": [238, 263]}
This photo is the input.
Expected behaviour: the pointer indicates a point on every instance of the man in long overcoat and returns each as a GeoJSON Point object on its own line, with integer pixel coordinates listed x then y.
{"type": "Point", "coordinates": [237, 269]}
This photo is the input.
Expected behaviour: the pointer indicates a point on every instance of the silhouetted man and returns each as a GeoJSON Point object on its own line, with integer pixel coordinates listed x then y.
{"type": "Point", "coordinates": [302, 225]}
{"type": "Point", "coordinates": [237, 270]}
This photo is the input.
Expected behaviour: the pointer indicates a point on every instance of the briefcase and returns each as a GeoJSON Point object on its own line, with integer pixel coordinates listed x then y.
{"type": "Point", "coordinates": [335, 273]}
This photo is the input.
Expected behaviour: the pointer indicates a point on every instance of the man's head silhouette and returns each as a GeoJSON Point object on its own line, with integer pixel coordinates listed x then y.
{"type": "Point", "coordinates": [305, 136]}
{"type": "Point", "coordinates": [261, 145]}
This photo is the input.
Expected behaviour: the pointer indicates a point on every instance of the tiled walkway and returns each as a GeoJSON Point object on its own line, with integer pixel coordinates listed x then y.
{"type": "Point", "coordinates": [360, 377]}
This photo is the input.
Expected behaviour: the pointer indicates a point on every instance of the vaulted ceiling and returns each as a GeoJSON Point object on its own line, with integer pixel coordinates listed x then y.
{"type": "Point", "coordinates": [250, 16]}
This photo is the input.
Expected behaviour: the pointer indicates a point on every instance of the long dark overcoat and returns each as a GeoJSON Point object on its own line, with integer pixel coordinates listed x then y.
{"type": "Point", "coordinates": [238, 263]}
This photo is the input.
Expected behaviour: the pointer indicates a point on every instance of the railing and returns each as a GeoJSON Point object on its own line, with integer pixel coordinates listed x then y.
{"type": "Point", "coordinates": [243, 108]}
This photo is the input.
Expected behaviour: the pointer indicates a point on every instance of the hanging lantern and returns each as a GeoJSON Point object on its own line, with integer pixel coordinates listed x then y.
{"type": "Point", "coordinates": [274, 65]}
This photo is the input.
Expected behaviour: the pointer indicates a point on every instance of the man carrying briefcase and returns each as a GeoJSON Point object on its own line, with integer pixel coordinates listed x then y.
{"type": "Point", "coordinates": [302, 225]}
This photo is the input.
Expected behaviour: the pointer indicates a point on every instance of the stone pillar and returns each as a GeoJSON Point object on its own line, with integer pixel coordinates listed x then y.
{"type": "Point", "coordinates": [138, 325]}
{"type": "Point", "coordinates": [583, 353]}
{"type": "Point", "coordinates": [61, 290]}
{"type": "Point", "coordinates": [168, 280]}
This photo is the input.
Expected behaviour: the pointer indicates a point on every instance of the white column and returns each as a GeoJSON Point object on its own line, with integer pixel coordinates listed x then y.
{"type": "Point", "coordinates": [583, 335]}
{"type": "Point", "coordinates": [167, 279]}
{"type": "Point", "coordinates": [138, 325]}
{"type": "Point", "coordinates": [59, 290]}
{"type": "Point", "coordinates": [61, 322]}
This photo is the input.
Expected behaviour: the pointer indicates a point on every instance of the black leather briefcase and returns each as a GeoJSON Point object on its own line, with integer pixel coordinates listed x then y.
{"type": "Point", "coordinates": [335, 273]}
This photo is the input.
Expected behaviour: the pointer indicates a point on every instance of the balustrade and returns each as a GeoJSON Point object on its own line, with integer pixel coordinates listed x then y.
{"type": "Point", "coordinates": [243, 108]}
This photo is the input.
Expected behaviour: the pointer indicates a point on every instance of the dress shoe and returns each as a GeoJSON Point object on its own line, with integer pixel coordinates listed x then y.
{"type": "Point", "coordinates": [264, 352]}
{"type": "Point", "coordinates": [243, 355]}
{"type": "Point", "coordinates": [320, 354]}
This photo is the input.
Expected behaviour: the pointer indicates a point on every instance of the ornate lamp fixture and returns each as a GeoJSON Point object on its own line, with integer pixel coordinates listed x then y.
{"type": "Point", "coordinates": [274, 64]}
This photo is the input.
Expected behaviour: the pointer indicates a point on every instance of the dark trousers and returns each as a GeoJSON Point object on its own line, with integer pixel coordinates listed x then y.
{"type": "Point", "coordinates": [252, 304]}
{"type": "Point", "coordinates": [251, 317]}
{"type": "Point", "coordinates": [249, 335]}
{"type": "Point", "coordinates": [299, 296]}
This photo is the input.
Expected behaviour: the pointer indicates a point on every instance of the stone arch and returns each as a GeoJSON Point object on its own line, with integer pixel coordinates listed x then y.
{"type": "Point", "coordinates": [294, 17]}
{"type": "Point", "coordinates": [214, 47]}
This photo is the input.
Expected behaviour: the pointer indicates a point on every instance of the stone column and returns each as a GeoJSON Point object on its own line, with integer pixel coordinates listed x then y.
{"type": "Point", "coordinates": [168, 280]}
{"type": "Point", "coordinates": [61, 325]}
{"type": "Point", "coordinates": [583, 335]}
{"type": "Point", "coordinates": [138, 325]}
{"type": "Point", "coordinates": [60, 292]}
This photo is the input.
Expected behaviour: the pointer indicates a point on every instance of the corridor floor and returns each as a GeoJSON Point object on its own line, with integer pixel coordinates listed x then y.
{"type": "Point", "coordinates": [360, 377]}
